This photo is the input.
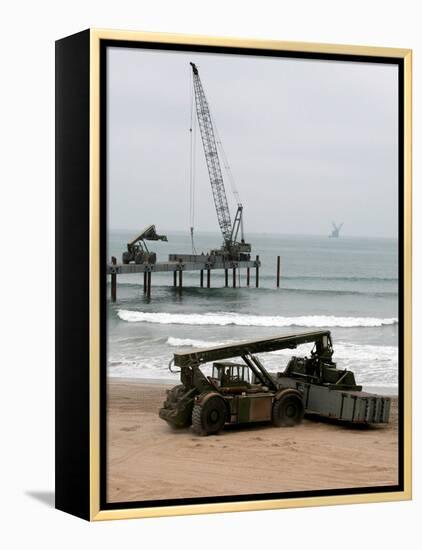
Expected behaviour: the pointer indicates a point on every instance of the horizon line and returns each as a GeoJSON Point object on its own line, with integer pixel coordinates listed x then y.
{"type": "Point", "coordinates": [265, 233]}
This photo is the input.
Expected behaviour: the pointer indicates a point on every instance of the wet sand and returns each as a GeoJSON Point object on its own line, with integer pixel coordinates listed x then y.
{"type": "Point", "coordinates": [147, 460]}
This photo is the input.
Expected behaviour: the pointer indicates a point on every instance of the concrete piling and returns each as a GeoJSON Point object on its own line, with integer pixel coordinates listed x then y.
{"type": "Point", "coordinates": [208, 278]}
{"type": "Point", "coordinates": [257, 272]}
{"type": "Point", "coordinates": [202, 278]}
{"type": "Point", "coordinates": [248, 276]}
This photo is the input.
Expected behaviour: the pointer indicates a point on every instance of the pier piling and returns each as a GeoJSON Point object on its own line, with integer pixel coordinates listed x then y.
{"type": "Point", "coordinates": [179, 264]}
{"type": "Point", "coordinates": [113, 281]}
{"type": "Point", "coordinates": [278, 271]}
{"type": "Point", "coordinates": [149, 284]}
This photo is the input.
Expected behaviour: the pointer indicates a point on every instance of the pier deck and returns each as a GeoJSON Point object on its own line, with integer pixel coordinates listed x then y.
{"type": "Point", "coordinates": [160, 267]}
{"type": "Point", "coordinates": [187, 263]}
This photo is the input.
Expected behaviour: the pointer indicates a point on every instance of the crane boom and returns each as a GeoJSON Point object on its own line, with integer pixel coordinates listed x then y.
{"type": "Point", "coordinates": [211, 157]}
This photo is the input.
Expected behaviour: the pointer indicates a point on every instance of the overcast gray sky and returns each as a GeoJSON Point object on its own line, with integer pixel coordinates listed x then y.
{"type": "Point", "coordinates": [307, 141]}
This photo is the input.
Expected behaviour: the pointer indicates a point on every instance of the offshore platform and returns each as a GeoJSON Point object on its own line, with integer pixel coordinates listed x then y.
{"type": "Point", "coordinates": [234, 253]}
{"type": "Point", "coordinates": [335, 233]}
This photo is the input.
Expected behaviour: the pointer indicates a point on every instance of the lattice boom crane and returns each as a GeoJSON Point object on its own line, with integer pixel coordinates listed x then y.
{"type": "Point", "coordinates": [231, 247]}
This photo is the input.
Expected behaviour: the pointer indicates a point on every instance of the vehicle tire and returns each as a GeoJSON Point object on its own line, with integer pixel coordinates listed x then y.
{"type": "Point", "coordinates": [139, 258]}
{"type": "Point", "coordinates": [181, 426]}
{"type": "Point", "coordinates": [175, 394]}
{"type": "Point", "coordinates": [126, 257]}
{"type": "Point", "coordinates": [288, 409]}
{"type": "Point", "coordinates": [210, 417]}
{"type": "Point", "coordinates": [152, 258]}
{"type": "Point", "coordinates": [184, 418]}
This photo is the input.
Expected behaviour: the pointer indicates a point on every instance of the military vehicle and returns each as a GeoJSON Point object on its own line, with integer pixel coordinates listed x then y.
{"type": "Point", "coordinates": [137, 250]}
{"type": "Point", "coordinates": [245, 392]}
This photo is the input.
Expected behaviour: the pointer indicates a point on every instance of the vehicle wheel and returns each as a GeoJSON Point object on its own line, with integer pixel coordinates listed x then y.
{"type": "Point", "coordinates": [182, 423]}
{"type": "Point", "coordinates": [139, 258]}
{"type": "Point", "coordinates": [152, 259]}
{"type": "Point", "coordinates": [210, 417]}
{"type": "Point", "coordinates": [125, 257]}
{"type": "Point", "coordinates": [288, 410]}
{"type": "Point", "coordinates": [175, 394]}
{"type": "Point", "coordinates": [177, 413]}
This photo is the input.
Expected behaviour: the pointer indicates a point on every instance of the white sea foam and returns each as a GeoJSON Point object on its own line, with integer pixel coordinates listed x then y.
{"type": "Point", "coordinates": [229, 318]}
{"type": "Point", "coordinates": [373, 365]}
{"type": "Point", "coordinates": [344, 351]}
{"type": "Point", "coordinates": [191, 343]}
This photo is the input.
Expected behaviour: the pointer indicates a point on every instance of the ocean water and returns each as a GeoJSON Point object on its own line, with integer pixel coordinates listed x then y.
{"type": "Point", "coordinates": [349, 285]}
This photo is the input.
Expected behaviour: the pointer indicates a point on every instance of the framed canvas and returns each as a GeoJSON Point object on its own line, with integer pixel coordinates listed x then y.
{"type": "Point", "coordinates": [233, 274]}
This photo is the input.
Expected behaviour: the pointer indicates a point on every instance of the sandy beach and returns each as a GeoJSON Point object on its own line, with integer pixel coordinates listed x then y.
{"type": "Point", "coordinates": [147, 460]}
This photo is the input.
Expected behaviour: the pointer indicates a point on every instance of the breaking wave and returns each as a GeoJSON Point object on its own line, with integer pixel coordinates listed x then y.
{"type": "Point", "coordinates": [229, 318]}
{"type": "Point", "coordinates": [192, 343]}
{"type": "Point", "coordinates": [344, 350]}
{"type": "Point", "coordinates": [374, 365]}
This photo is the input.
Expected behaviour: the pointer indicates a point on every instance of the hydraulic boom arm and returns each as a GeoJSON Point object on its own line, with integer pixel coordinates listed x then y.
{"type": "Point", "coordinates": [148, 234]}
{"type": "Point", "coordinates": [322, 339]}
